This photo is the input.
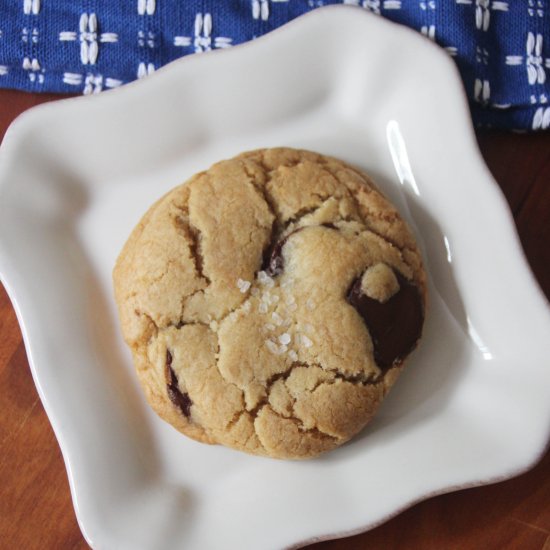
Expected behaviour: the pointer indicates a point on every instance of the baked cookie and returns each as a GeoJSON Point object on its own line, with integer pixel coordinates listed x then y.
{"type": "Point", "coordinates": [270, 302]}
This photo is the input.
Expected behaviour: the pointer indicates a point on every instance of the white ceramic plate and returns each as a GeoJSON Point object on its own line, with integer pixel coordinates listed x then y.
{"type": "Point", "coordinates": [75, 177]}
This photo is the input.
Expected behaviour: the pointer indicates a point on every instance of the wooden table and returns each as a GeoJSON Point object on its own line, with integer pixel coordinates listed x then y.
{"type": "Point", "coordinates": [35, 504]}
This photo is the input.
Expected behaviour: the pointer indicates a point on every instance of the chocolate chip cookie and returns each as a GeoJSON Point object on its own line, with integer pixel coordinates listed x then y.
{"type": "Point", "coordinates": [270, 302]}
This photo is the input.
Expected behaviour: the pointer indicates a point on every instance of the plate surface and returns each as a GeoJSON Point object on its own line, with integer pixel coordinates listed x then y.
{"type": "Point", "coordinates": [75, 176]}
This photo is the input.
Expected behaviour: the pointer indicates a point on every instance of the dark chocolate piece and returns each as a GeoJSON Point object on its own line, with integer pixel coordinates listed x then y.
{"type": "Point", "coordinates": [273, 261]}
{"type": "Point", "coordinates": [179, 398]}
{"type": "Point", "coordinates": [395, 326]}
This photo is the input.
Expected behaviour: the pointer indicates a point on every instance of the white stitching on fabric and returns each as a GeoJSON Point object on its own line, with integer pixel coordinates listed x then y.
{"type": "Point", "coordinates": [146, 7]}
{"type": "Point", "coordinates": [31, 7]}
{"type": "Point", "coordinates": [93, 83]}
{"type": "Point", "coordinates": [145, 69]}
{"type": "Point", "coordinates": [34, 70]}
{"type": "Point", "coordinates": [89, 38]}
{"type": "Point", "coordinates": [203, 41]}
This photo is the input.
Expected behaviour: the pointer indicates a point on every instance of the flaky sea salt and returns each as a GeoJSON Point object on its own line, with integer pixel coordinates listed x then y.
{"type": "Point", "coordinates": [277, 319]}
{"type": "Point", "coordinates": [293, 355]}
{"type": "Point", "coordinates": [306, 342]}
{"type": "Point", "coordinates": [290, 300]}
{"type": "Point", "coordinates": [246, 307]}
{"type": "Point", "coordinates": [269, 326]}
{"type": "Point", "coordinates": [284, 338]}
{"type": "Point", "coordinates": [262, 308]}
{"type": "Point", "coordinates": [269, 298]}
{"type": "Point", "coordinates": [272, 347]}
{"type": "Point", "coordinates": [243, 285]}
{"type": "Point", "coordinates": [265, 280]}
{"type": "Point", "coordinates": [292, 307]}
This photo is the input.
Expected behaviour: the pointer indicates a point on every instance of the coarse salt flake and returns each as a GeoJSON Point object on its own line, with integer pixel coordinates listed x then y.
{"type": "Point", "coordinates": [293, 355]}
{"type": "Point", "coordinates": [284, 338]}
{"type": "Point", "coordinates": [272, 347]}
{"type": "Point", "coordinates": [292, 307]}
{"type": "Point", "coordinates": [243, 285]}
{"type": "Point", "coordinates": [269, 326]}
{"type": "Point", "coordinates": [262, 308]}
{"type": "Point", "coordinates": [265, 279]}
{"type": "Point", "coordinates": [306, 341]}
{"type": "Point", "coordinates": [290, 299]}
{"type": "Point", "coordinates": [278, 320]}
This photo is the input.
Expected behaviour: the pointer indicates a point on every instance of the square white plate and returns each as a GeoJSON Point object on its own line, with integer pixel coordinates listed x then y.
{"type": "Point", "coordinates": [473, 405]}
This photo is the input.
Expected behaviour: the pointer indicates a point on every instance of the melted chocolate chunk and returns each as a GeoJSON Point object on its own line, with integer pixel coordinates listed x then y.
{"type": "Point", "coordinates": [395, 326]}
{"type": "Point", "coordinates": [181, 400]}
{"type": "Point", "coordinates": [274, 263]}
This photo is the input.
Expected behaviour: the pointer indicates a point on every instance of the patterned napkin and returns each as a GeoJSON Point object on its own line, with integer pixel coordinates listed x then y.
{"type": "Point", "coordinates": [502, 48]}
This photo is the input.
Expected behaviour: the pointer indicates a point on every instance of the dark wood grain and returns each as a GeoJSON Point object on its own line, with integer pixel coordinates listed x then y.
{"type": "Point", "coordinates": [35, 503]}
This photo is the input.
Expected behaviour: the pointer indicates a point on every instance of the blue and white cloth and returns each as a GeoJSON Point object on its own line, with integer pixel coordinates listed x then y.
{"type": "Point", "coordinates": [501, 47]}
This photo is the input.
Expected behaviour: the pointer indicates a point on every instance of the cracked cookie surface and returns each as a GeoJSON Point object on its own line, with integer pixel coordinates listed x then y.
{"type": "Point", "coordinates": [270, 302]}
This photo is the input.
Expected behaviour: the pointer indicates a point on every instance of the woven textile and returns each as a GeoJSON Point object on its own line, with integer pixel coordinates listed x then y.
{"type": "Point", "coordinates": [502, 48]}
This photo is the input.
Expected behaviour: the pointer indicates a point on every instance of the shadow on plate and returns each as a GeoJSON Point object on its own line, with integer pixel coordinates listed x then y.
{"type": "Point", "coordinates": [433, 371]}
{"type": "Point", "coordinates": [121, 452]}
